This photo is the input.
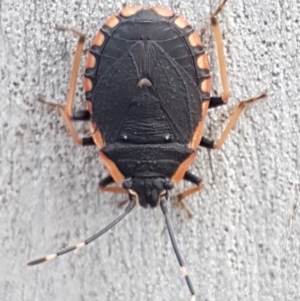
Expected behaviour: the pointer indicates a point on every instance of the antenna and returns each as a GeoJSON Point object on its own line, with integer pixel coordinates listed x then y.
{"type": "Point", "coordinates": [87, 241]}
{"type": "Point", "coordinates": [164, 209]}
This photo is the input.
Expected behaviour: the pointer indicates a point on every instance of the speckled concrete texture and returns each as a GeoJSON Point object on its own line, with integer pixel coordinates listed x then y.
{"type": "Point", "coordinates": [244, 241]}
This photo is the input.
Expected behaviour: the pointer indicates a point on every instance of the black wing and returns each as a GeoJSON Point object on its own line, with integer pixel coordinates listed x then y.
{"type": "Point", "coordinates": [117, 94]}
{"type": "Point", "coordinates": [113, 94]}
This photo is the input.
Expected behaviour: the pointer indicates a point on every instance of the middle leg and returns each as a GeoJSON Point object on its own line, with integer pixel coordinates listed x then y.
{"type": "Point", "coordinates": [205, 142]}
{"type": "Point", "coordinates": [217, 101]}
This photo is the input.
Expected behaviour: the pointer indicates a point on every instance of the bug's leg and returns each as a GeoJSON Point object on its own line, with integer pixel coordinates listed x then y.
{"type": "Point", "coordinates": [205, 142]}
{"type": "Point", "coordinates": [67, 120]}
{"type": "Point", "coordinates": [66, 110]}
{"type": "Point", "coordinates": [103, 185]}
{"type": "Point", "coordinates": [109, 180]}
{"type": "Point", "coordinates": [217, 101]}
{"type": "Point", "coordinates": [188, 176]}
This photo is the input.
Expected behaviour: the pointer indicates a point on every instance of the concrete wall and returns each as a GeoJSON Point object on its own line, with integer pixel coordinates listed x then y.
{"type": "Point", "coordinates": [244, 241]}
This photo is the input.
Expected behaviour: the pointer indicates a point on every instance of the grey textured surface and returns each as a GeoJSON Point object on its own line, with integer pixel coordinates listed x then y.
{"type": "Point", "coordinates": [244, 241]}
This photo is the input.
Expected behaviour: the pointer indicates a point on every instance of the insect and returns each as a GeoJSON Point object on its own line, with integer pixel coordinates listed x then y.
{"type": "Point", "coordinates": [147, 85]}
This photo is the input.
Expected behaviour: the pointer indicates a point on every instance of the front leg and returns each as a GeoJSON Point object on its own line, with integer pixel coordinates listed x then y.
{"type": "Point", "coordinates": [107, 181]}
{"type": "Point", "coordinates": [188, 176]}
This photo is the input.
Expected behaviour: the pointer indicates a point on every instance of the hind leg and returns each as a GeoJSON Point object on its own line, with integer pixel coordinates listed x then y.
{"type": "Point", "coordinates": [66, 111]}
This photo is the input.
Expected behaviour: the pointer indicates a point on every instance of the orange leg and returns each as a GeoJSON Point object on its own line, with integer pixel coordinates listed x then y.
{"type": "Point", "coordinates": [114, 189]}
{"type": "Point", "coordinates": [221, 56]}
{"type": "Point", "coordinates": [66, 110]}
{"type": "Point", "coordinates": [217, 101]}
{"type": "Point", "coordinates": [103, 185]}
{"type": "Point", "coordinates": [232, 121]}
{"type": "Point", "coordinates": [179, 198]}
{"type": "Point", "coordinates": [109, 180]}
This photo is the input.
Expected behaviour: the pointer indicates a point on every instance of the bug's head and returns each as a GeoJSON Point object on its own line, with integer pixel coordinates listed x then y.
{"type": "Point", "coordinates": [148, 191]}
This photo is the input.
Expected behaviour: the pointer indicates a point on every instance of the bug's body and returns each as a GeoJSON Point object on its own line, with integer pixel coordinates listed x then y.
{"type": "Point", "coordinates": [147, 87]}
{"type": "Point", "coordinates": [146, 80]}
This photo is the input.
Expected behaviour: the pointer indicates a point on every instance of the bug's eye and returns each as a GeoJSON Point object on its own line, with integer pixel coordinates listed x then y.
{"type": "Point", "coordinates": [127, 184]}
{"type": "Point", "coordinates": [169, 185]}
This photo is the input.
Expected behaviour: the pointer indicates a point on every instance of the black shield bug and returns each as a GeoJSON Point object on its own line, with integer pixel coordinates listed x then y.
{"type": "Point", "coordinates": [147, 85]}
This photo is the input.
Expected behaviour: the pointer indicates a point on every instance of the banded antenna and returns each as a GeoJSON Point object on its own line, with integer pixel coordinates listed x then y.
{"type": "Point", "coordinates": [87, 241]}
{"type": "Point", "coordinates": [111, 225]}
{"type": "Point", "coordinates": [164, 209]}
